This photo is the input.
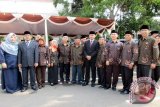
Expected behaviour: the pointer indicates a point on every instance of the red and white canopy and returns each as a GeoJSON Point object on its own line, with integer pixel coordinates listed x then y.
{"type": "Point", "coordinates": [18, 23]}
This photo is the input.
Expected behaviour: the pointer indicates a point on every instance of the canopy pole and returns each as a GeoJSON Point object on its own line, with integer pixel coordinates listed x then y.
{"type": "Point", "coordinates": [46, 31]}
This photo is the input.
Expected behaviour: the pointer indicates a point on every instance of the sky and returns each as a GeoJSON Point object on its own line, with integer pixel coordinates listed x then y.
{"type": "Point", "coordinates": [28, 6]}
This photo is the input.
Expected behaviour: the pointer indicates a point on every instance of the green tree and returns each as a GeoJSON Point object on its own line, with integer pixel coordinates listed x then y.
{"type": "Point", "coordinates": [91, 8]}
{"type": "Point", "coordinates": [129, 14]}
{"type": "Point", "coordinates": [139, 12]}
{"type": "Point", "coordinates": [1, 38]}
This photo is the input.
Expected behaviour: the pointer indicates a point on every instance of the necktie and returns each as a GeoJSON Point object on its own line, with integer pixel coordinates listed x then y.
{"type": "Point", "coordinates": [27, 43]}
{"type": "Point", "coordinates": [91, 43]}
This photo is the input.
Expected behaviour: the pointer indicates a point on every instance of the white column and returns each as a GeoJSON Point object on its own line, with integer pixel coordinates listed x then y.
{"type": "Point", "coordinates": [46, 31]}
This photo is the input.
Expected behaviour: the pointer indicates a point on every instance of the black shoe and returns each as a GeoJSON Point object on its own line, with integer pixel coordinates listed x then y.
{"type": "Point", "coordinates": [79, 83]}
{"type": "Point", "coordinates": [84, 84]}
{"type": "Point", "coordinates": [68, 82]}
{"type": "Point", "coordinates": [125, 92]}
{"type": "Point", "coordinates": [101, 86]}
{"type": "Point", "coordinates": [121, 91]}
{"type": "Point", "coordinates": [93, 85]}
{"type": "Point", "coordinates": [106, 88]}
{"type": "Point", "coordinates": [55, 83]}
{"type": "Point", "coordinates": [51, 84]}
{"type": "Point", "coordinates": [24, 89]}
{"type": "Point", "coordinates": [73, 82]}
{"type": "Point", "coordinates": [114, 88]}
{"type": "Point", "coordinates": [34, 88]}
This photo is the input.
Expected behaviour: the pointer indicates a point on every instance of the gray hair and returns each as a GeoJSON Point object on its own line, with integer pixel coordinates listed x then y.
{"type": "Point", "coordinates": [55, 41]}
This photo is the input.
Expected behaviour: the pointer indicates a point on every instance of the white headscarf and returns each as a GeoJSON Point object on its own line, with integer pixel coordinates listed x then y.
{"type": "Point", "coordinates": [8, 46]}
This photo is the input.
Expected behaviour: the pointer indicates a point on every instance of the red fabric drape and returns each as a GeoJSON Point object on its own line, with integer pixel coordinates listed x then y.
{"type": "Point", "coordinates": [6, 16]}
{"type": "Point", "coordinates": [105, 22]}
{"type": "Point", "coordinates": [32, 18]}
{"type": "Point", "coordinates": [59, 19]}
{"type": "Point", "coordinates": [81, 20]}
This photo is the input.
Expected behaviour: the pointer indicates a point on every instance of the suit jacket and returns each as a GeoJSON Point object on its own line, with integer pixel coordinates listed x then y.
{"type": "Point", "coordinates": [28, 55]}
{"type": "Point", "coordinates": [91, 50]}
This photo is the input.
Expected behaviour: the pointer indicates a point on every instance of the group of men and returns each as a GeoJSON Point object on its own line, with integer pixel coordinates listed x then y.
{"type": "Point", "coordinates": [106, 58]}
{"type": "Point", "coordinates": [114, 57]}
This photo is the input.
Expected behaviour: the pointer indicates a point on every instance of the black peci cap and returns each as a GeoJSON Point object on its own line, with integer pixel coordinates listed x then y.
{"type": "Point", "coordinates": [114, 31]}
{"type": "Point", "coordinates": [27, 32]}
{"type": "Point", "coordinates": [65, 34]}
{"type": "Point", "coordinates": [92, 32]}
{"type": "Point", "coordinates": [128, 32]}
{"type": "Point", "coordinates": [144, 27]}
{"type": "Point", "coordinates": [154, 32]}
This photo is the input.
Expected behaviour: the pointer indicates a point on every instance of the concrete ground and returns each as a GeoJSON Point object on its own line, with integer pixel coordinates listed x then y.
{"type": "Point", "coordinates": [71, 96]}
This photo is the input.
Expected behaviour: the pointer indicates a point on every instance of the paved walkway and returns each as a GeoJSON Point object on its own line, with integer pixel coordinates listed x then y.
{"type": "Point", "coordinates": [71, 96]}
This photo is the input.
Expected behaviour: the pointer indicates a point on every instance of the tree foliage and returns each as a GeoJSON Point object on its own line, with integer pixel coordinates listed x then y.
{"type": "Point", "coordinates": [129, 14]}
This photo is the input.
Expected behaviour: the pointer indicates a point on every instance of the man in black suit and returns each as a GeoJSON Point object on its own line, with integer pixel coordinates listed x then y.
{"type": "Point", "coordinates": [28, 60]}
{"type": "Point", "coordinates": [90, 52]}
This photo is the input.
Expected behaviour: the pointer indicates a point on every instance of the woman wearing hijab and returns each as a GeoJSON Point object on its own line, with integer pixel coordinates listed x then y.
{"type": "Point", "coordinates": [53, 63]}
{"type": "Point", "coordinates": [11, 78]}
